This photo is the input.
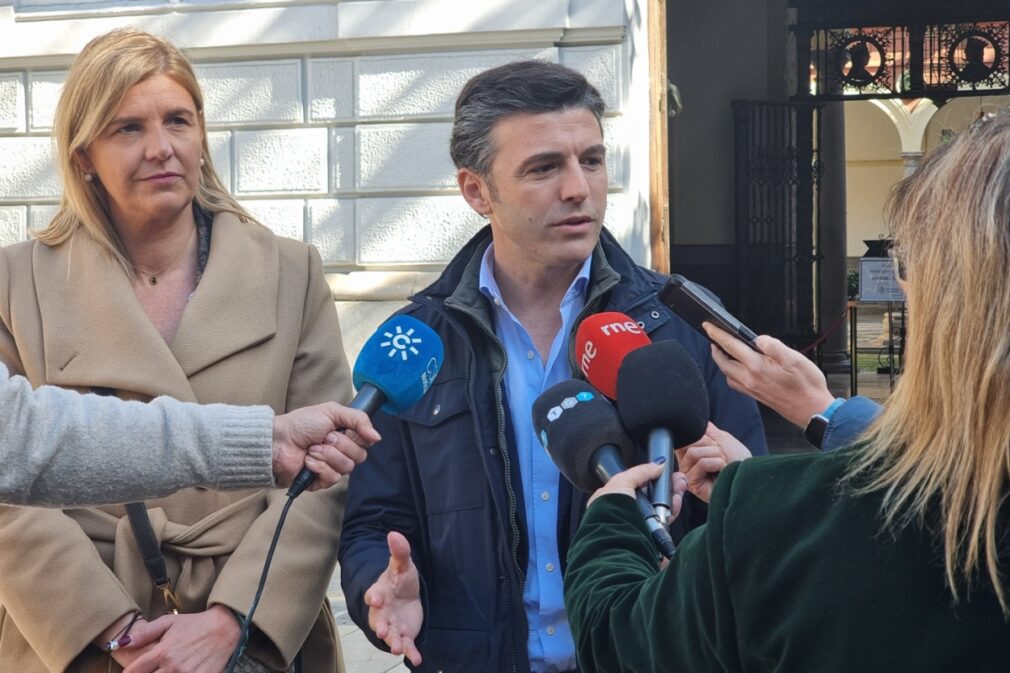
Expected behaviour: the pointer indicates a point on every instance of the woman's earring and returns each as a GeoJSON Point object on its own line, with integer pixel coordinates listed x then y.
{"type": "Point", "coordinates": [88, 177]}
{"type": "Point", "coordinates": [202, 162]}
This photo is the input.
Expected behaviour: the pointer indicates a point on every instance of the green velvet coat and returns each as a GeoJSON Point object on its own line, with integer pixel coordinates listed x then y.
{"type": "Point", "coordinates": [788, 575]}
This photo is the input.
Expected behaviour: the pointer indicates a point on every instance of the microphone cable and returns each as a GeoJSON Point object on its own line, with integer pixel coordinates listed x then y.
{"type": "Point", "coordinates": [243, 638]}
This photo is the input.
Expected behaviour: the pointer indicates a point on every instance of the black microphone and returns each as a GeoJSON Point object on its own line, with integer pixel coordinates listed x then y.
{"type": "Point", "coordinates": [583, 435]}
{"type": "Point", "coordinates": [663, 402]}
{"type": "Point", "coordinates": [394, 370]}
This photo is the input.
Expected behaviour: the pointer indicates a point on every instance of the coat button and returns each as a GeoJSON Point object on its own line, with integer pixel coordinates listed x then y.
{"type": "Point", "coordinates": [438, 408]}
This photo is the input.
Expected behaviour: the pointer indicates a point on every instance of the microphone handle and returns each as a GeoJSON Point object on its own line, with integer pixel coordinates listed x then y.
{"type": "Point", "coordinates": [661, 444]}
{"type": "Point", "coordinates": [606, 463]}
{"type": "Point", "coordinates": [369, 399]}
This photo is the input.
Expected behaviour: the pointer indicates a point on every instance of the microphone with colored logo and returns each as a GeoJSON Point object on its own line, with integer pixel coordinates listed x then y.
{"type": "Point", "coordinates": [663, 402]}
{"type": "Point", "coordinates": [582, 433]}
{"type": "Point", "coordinates": [601, 342]}
{"type": "Point", "coordinates": [394, 370]}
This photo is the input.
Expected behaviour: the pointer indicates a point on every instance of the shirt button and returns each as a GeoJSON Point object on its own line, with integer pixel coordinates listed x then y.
{"type": "Point", "coordinates": [497, 301]}
{"type": "Point", "coordinates": [550, 630]}
{"type": "Point", "coordinates": [545, 496]}
{"type": "Point", "coordinates": [530, 354]}
{"type": "Point", "coordinates": [550, 567]}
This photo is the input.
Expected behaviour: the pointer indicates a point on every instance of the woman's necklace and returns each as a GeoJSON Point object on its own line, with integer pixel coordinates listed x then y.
{"type": "Point", "coordinates": [152, 276]}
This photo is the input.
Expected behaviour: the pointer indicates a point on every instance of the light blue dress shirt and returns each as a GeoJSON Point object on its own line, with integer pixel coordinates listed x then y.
{"type": "Point", "coordinates": [550, 644]}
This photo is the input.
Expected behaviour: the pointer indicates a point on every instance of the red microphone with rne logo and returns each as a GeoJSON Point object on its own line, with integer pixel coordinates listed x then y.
{"type": "Point", "coordinates": [601, 343]}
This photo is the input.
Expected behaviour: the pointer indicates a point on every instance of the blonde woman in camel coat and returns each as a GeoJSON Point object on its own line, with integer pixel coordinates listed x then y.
{"type": "Point", "coordinates": [151, 280]}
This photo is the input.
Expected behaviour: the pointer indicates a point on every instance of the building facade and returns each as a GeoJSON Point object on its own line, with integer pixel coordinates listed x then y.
{"type": "Point", "coordinates": [330, 120]}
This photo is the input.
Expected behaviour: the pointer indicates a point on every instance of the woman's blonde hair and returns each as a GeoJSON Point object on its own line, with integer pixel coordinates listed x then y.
{"type": "Point", "coordinates": [100, 77]}
{"type": "Point", "coordinates": [942, 446]}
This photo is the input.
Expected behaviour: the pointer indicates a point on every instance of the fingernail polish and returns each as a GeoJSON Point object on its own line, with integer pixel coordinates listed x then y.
{"type": "Point", "coordinates": [660, 460]}
{"type": "Point", "coordinates": [125, 640]}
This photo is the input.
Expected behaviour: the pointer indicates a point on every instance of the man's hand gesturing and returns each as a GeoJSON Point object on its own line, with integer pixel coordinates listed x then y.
{"type": "Point", "coordinates": [394, 601]}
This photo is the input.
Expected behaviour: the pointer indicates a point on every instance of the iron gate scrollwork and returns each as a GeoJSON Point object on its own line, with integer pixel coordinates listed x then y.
{"type": "Point", "coordinates": [776, 210]}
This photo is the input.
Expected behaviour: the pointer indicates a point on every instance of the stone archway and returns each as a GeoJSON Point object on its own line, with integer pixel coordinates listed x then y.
{"type": "Point", "coordinates": [910, 118]}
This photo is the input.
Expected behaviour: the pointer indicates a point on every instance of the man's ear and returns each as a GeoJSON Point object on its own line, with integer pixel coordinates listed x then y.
{"type": "Point", "coordinates": [475, 190]}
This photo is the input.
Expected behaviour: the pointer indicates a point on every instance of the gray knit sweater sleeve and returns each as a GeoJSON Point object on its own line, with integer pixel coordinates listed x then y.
{"type": "Point", "coordinates": [60, 448]}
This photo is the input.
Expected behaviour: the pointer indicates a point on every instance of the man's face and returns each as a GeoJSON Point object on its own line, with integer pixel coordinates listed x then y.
{"type": "Point", "coordinates": [550, 189]}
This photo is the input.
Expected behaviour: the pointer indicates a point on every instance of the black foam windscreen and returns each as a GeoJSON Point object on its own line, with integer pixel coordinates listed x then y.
{"type": "Point", "coordinates": [661, 386]}
{"type": "Point", "coordinates": [573, 420]}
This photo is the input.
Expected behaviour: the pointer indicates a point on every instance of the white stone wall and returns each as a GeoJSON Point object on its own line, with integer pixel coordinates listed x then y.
{"type": "Point", "coordinates": [331, 122]}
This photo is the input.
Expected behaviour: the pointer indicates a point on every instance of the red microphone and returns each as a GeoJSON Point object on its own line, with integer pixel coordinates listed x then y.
{"type": "Point", "coordinates": [601, 343]}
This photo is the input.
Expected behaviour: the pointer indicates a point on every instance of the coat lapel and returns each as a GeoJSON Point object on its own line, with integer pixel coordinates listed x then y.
{"type": "Point", "coordinates": [235, 305]}
{"type": "Point", "coordinates": [95, 332]}
{"type": "Point", "coordinates": [97, 335]}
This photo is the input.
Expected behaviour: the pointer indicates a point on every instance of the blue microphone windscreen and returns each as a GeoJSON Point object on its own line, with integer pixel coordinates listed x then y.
{"type": "Point", "coordinates": [401, 359]}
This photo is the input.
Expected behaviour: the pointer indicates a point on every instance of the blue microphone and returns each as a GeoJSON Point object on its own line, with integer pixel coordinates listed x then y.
{"type": "Point", "coordinates": [394, 370]}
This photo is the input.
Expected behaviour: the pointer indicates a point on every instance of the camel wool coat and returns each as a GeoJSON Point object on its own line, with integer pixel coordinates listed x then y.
{"type": "Point", "coordinates": [261, 328]}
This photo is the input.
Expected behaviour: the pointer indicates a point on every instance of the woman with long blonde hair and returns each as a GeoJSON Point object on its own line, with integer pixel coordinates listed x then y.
{"type": "Point", "coordinates": [890, 555]}
{"type": "Point", "coordinates": [152, 280]}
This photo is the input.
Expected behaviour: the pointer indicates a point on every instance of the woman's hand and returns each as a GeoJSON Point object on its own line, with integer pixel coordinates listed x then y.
{"type": "Point", "coordinates": [702, 461]}
{"type": "Point", "coordinates": [629, 481]}
{"type": "Point", "coordinates": [130, 646]}
{"type": "Point", "coordinates": [782, 378]}
{"type": "Point", "coordinates": [197, 643]}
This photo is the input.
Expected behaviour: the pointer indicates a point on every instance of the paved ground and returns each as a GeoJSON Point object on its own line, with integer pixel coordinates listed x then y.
{"type": "Point", "coordinates": [361, 657]}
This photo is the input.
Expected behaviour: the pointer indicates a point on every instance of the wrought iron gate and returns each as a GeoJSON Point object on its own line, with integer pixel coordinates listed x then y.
{"type": "Point", "coordinates": [777, 206]}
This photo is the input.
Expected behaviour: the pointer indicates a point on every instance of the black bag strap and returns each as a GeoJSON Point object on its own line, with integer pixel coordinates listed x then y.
{"type": "Point", "coordinates": [143, 532]}
{"type": "Point", "coordinates": [150, 551]}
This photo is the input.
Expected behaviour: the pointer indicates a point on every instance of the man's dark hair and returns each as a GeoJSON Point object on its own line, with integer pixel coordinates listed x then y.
{"type": "Point", "coordinates": [514, 88]}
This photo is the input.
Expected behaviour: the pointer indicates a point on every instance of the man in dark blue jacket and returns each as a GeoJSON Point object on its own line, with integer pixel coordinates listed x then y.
{"type": "Point", "coordinates": [457, 526]}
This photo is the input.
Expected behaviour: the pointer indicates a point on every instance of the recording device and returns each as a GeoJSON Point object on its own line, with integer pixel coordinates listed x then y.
{"type": "Point", "coordinates": [582, 433]}
{"type": "Point", "coordinates": [696, 305]}
{"type": "Point", "coordinates": [663, 402]}
{"type": "Point", "coordinates": [394, 370]}
{"type": "Point", "coordinates": [601, 342]}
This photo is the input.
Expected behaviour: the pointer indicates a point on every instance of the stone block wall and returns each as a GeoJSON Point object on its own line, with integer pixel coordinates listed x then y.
{"type": "Point", "coordinates": [330, 122]}
{"type": "Point", "coordinates": [350, 154]}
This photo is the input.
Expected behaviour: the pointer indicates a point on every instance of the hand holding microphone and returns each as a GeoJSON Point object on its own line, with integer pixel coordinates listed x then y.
{"type": "Point", "coordinates": [394, 369]}
{"type": "Point", "coordinates": [315, 431]}
{"type": "Point", "coordinates": [702, 461]}
{"type": "Point", "coordinates": [634, 478]}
